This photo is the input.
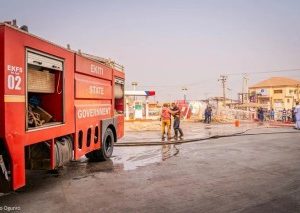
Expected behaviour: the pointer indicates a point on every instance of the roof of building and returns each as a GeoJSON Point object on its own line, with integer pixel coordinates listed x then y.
{"type": "Point", "coordinates": [139, 93]}
{"type": "Point", "coordinates": [276, 82]}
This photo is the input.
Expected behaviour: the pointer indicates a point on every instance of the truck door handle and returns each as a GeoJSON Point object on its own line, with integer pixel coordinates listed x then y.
{"type": "Point", "coordinates": [37, 62]}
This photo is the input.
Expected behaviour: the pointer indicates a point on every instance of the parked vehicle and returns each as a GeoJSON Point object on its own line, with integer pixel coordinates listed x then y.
{"type": "Point", "coordinates": [56, 105]}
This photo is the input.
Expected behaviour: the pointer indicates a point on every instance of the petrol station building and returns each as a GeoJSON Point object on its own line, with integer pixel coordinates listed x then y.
{"type": "Point", "coordinates": [140, 106]}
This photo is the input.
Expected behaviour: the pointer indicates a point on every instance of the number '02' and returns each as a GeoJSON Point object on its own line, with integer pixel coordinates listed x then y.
{"type": "Point", "coordinates": [14, 82]}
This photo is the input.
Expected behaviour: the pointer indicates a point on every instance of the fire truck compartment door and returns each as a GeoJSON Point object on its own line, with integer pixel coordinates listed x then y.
{"type": "Point", "coordinates": [43, 60]}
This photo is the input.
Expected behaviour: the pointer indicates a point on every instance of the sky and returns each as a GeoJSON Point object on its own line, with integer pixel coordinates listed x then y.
{"type": "Point", "coordinates": [168, 45]}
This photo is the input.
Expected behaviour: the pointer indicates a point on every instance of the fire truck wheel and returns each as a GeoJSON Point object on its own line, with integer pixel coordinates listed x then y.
{"type": "Point", "coordinates": [4, 178]}
{"type": "Point", "coordinates": [106, 150]}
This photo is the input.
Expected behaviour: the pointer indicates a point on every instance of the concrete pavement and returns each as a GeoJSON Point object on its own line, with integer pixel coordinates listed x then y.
{"type": "Point", "coordinates": [253, 173]}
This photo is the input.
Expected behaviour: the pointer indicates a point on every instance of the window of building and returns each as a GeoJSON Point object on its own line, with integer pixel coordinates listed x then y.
{"type": "Point", "coordinates": [278, 91]}
{"type": "Point", "coordinates": [291, 91]}
{"type": "Point", "coordinates": [288, 100]}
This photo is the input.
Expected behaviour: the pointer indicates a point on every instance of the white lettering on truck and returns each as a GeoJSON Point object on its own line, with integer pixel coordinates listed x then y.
{"type": "Point", "coordinates": [97, 70]}
{"type": "Point", "coordinates": [93, 112]}
{"type": "Point", "coordinates": [96, 90]}
{"type": "Point", "coordinates": [14, 69]}
{"type": "Point", "coordinates": [14, 79]}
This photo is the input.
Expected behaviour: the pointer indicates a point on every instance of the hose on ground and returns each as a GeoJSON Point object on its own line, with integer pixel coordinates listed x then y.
{"type": "Point", "coordinates": [159, 143]}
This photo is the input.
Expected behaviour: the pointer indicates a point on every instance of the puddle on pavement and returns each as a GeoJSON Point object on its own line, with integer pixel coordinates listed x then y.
{"type": "Point", "coordinates": [123, 159]}
{"type": "Point", "coordinates": [132, 158]}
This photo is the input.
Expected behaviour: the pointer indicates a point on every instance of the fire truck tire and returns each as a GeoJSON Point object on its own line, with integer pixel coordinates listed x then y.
{"type": "Point", "coordinates": [106, 150]}
{"type": "Point", "coordinates": [4, 179]}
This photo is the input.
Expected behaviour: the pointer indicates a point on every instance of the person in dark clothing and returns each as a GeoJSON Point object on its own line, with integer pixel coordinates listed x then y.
{"type": "Point", "coordinates": [272, 115]}
{"type": "Point", "coordinates": [260, 114]}
{"type": "Point", "coordinates": [176, 125]}
{"type": "Point", "coordinates": [205, 115]}
{"type": "Point", "coordinates": [209, 114]}
{"type": "Point", "coordinates": [284, 113]}
{"type": "Point", "coordinates": [293, 115]}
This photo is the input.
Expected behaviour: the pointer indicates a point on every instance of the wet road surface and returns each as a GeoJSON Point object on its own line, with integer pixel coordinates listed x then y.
{"type": "Point", "coordinates": [239, 174]}
{"type": "Point", "coordinates": [190, 130]}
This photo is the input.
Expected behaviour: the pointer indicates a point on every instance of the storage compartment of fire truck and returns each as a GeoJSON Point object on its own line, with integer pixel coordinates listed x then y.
{"type": "Point", "coordinates": [45, 83]}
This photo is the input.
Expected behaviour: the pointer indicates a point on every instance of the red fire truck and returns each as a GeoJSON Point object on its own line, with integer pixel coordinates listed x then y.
{"type": "Point", "coordinates": [56, 105]}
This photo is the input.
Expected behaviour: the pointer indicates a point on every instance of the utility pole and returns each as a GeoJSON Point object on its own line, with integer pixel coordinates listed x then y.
{"type": "Point", "coordinates": [134, 85]}
{"type": "Point", "coordinates": [184, 89]}
{"type": "Point", "coordinates": [245, 87]}
{"type": "Point", "coordinates": [223, 79]}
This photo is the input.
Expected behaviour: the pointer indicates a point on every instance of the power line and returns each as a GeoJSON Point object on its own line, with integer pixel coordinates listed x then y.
{"type": "Point", "coordinates": [177, 85]}
{"type": "Point", "coordinates": [205, 81]}
{"type": "Point", "coordinates": [263, 72]}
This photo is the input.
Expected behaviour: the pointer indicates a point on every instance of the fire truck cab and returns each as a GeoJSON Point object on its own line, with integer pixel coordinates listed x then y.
{"type": "Point", "coordinates": [56, 105]}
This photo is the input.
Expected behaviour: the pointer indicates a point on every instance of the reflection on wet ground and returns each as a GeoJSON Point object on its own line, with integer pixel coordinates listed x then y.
{"type": "Point", "coordinates": [134, 157]}
{"type": "Point", "coordinates": [123, 159]}
{"type": "Point", "coordinates": [169, 151]}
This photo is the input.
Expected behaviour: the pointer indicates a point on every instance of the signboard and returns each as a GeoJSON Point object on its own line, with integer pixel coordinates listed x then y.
{"type": "Point", "coordinates": [278, 103]}
{"type": "Point", "coordinates": [138, 110]}
{"type": "Point", "coordinates": [262, 92]}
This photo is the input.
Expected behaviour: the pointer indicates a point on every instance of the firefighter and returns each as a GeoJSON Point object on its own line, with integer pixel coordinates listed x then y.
{"type": "Point", "coordinates": [176, 125]}
{"type": "Point", "coordinates": [165, 121]}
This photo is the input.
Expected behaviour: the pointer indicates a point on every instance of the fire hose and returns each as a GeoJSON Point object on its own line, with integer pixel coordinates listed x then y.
{"type": "Point", "coordinates": [239, 134]}
{"type": "Point", "coordinates": [34, 119]}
